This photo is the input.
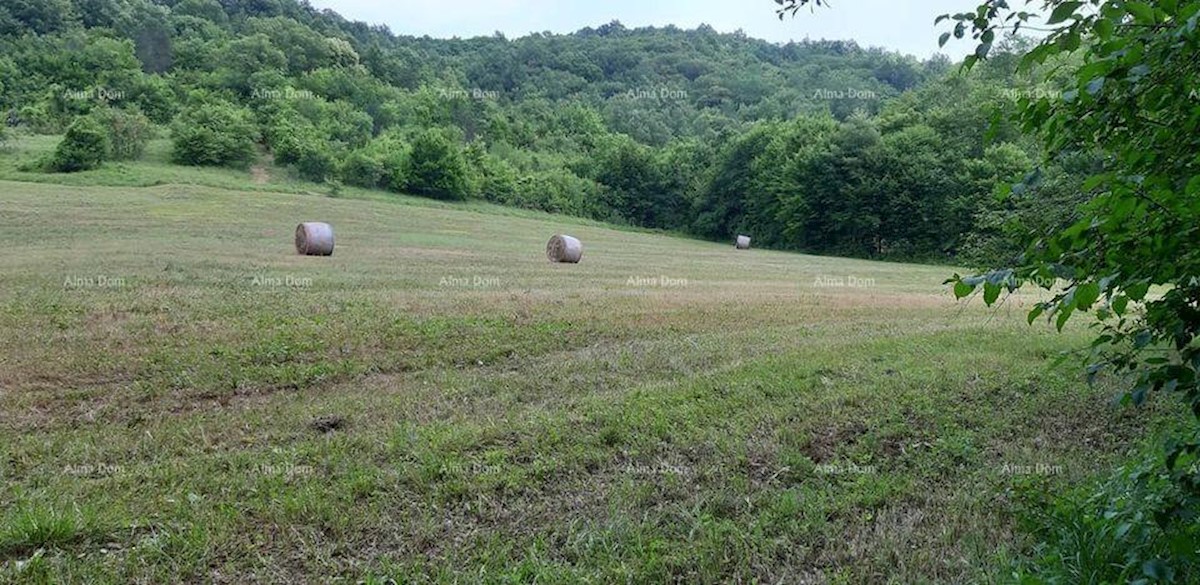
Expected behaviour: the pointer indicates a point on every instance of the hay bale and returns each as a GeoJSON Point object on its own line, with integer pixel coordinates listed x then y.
{"type": "Point", "coordinates": [743, 242]}
{"type": "Point", "coordinates": [314, 239]}
{"type": "Point", "coordinates": [564, 249]}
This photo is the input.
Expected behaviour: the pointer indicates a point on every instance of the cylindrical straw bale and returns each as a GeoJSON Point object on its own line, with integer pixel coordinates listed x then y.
{"type": "Point", "coordinates": [743, 242]}
{"type": "Point", "coordinates": [564, 249]}
{"type": "Point", "coordinates": [314, 239]}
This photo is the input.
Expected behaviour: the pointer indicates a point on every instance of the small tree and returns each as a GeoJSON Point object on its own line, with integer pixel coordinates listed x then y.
{"type": "Point", "coordinates": [436, 168]}
{"type": "Point", "coordinates": [214, 135]}
{"type": "Point", "coordinates": [362, 169]}
{"type": "Point", "coordinates": [316, 162]}
{"type": "Point", "coordinates": [83, 148]}
{"type": "Point", "coordinates": [128, 132]}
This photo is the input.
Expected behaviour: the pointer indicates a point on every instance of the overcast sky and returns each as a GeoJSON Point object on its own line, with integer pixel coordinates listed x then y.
{"type": "Point", "coordinates": [902, 25]}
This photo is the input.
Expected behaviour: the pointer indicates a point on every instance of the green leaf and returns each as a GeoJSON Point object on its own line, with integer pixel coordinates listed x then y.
{"type": "Point", "coordinates": [1137, 292]}
{"type": "Point", "coordinates": [1095, 181]}
{"type": "Point", "coordinates": [1120, 304]}
{"type": "Point", "coordinates": [1063, 317]}
{"type": "Point", "coordinates": [991, 292]}
{"type": "Point", "coordinates": [1086, 296]}
{"type": "Point", "coordinates": [944, 39]}
{"type": "Point", "coordinates": [1063, 12]}
{"type": "Point", "coordinates": [962, 290]}
{"type": "Point", "coordinates": [1193, 187]}
{"type": "Point", "coordinates": [1035, 313]}
{"type": "Point", "coordinates": [1141, 12]}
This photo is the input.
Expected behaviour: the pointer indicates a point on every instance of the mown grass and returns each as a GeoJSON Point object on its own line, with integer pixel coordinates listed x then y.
{"type": "Point", "coordinates": [184, 399]}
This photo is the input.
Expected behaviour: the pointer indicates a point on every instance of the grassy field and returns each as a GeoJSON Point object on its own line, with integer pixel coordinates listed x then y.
{"type": "Point", "coordinates": [184, 399]}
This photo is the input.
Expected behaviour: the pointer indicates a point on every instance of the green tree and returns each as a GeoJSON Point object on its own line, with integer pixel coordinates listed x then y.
{"type": "Point", "coordinates": [129, 131]}
{"type": "Point", "coordinates": [635, 185]}
{"type": "Point", "coordinates": [436, 168]}
{"type": "Point", "coordinates": [83, 148]}
{"type": "Point", "coordinates": [214, 134]}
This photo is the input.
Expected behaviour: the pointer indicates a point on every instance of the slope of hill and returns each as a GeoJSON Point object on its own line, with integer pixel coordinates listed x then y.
{"type": "Point", "coordinates": [185, 399]}
{"type": "Point", "coordinates": [819, 146]}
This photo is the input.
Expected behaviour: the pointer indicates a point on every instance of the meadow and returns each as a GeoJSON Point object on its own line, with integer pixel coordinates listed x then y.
{"type": "Point", "coordinates": [184, 399]}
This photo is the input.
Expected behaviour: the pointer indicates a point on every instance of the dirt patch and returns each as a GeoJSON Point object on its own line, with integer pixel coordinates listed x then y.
{"type": "Point", "coordinates": [328, 424]}
{"type": "Point", "coordinates": [823, 444]}
{"type": "Point", "coordinates": [260, 174]}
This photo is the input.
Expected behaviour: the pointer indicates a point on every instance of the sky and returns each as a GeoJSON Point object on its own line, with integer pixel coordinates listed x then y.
{"type": "Point", "coordinates": [901, 25]}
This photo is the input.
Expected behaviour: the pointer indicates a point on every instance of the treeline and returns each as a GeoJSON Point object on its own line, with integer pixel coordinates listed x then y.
{"type": "Point", "coordinates": [815, 146]}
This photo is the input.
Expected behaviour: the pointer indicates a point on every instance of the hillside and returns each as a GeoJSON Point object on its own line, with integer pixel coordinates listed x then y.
{"type": "Point", "coordinates": [185, 399]}
{"type": "Point", "coordinates": [818, 146]}
{"type": "Point", "coordinates": [961, 349]}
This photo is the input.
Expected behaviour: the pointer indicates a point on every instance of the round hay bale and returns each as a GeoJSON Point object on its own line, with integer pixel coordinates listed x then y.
{"type": "Point", "coordinates": [314, 239]}
{"type": "Point", "coordinates": [564, 249]}
{"type": "Point", "coordinates": [743, 242]}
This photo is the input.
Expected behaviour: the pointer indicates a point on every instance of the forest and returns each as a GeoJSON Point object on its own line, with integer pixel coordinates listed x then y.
{"type": "Point", "coordinates": [815, 146]}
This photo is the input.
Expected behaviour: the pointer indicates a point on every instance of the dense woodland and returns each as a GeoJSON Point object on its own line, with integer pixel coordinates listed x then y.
{"type": "Point", "coordinates": [818, 146]}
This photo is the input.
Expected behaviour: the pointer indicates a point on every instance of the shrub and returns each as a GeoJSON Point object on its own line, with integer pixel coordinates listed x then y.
{"type": "Point", "coordinates": [559, 191]}
{"type": "Point", "coordinates": [494, 179]}
{"type": "Point", "coordinates": [83, 148]}
{"type": "Point", "coordinates": [363, 169]}
{"type": "Point", "coordinates": [214, 135]}
{"type": "Point", "coordinates": [297, 142]}
{"type": "Point", "coordinates": [128, 132]}
{"type": "Point", "coordinates": [1119, 530]}
{"type": "Point", "coordinates": [435, 168]}
{"type": "Point", "coordinates": [383, 163]}
{"type": "Point", "coordinates": [316, 162]}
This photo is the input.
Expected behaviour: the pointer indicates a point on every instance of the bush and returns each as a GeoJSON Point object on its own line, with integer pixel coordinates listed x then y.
{"type": "Point", "coordinates": [38, 119]}
{"type": "Point", "coordinates": [362, 169]}
{"type": "Point", "coordinates": [216, 134]}
{"type": "Point", "coordinates": [296, 141]}
{"type": "Point", "coordinates": [559, 191]}
{"type": "Point", "coordinates": [492, 178]}
{"type": "Point", "coordinates": [383, 163]}
{"type": "Point", "coordinates": [316, 162]}
{"type": "Point", "coordinates": [128, 133]}
{"type": "Point", "coordinates": [435, 168]}
{"type": "Point", "coordinates": [83, 148]}
{"type": "Point", "coordinates": [1121, 530]}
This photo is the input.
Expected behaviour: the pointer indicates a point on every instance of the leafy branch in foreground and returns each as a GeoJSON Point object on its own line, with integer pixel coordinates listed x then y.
{"type": "Point", "coordinates": [1133, 99]}
{"type": "Point", "coordinates": [1132, 259]}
